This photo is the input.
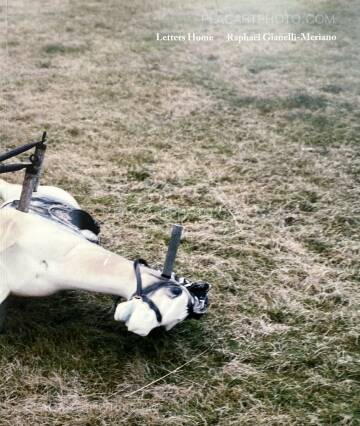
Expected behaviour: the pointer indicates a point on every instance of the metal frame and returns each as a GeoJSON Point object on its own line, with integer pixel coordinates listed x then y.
{"type": "Point", "coordinates": [32, 169]}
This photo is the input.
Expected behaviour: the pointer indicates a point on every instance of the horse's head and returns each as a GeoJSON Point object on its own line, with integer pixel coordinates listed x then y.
{"type": "Point", "coordinates": [164, 303]}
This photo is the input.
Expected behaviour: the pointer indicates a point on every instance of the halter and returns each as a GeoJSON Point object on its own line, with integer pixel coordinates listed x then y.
{"type": "Point", "coordinates": [142, 293]}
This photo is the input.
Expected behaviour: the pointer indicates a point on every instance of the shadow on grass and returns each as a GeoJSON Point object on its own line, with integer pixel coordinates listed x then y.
{"type": "Point", "coordinates": [73, 330]}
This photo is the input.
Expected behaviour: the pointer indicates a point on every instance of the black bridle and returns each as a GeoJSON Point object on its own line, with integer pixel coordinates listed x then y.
{"type": "Point", "coordinates": [142, 293]}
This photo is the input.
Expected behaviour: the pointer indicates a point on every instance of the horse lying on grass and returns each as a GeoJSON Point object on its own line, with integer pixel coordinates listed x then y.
{"type": "Point", "coordinates": [55, 247]}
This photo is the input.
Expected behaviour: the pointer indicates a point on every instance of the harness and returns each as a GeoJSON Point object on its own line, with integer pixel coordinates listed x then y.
{"type": "Point", "coordinates": [142, 293]}
{"type": "Point", "coordinates": [75, 220]}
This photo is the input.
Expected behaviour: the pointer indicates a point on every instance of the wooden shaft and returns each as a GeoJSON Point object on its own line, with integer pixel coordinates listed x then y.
{"type": "Point", "coordinates": [172, 250]}
{"type": "Point", "coordinates": [40, 155]}
{"type": "Point", "coordinates": [32, 176]}
{"type": "Point", "coordinates": [27, 189]}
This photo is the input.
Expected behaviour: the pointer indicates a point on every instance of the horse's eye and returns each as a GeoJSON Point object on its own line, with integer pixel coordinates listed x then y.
{"type": "Point", "coordinates": [175, 291]}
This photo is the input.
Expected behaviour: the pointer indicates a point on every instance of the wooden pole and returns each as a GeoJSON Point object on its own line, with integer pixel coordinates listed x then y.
{"type": "Point", "coordinates": [172, 250]}
{"type": "Point", "coordinates": [27, 189]}
{"type": "Point", "coordinates": [32, 176]}
{"type": "Point", "coordinates": [40, 155]}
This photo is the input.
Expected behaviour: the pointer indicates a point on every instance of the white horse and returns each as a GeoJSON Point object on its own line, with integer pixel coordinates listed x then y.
{"type": "Point", "coordinates": [39, 256]}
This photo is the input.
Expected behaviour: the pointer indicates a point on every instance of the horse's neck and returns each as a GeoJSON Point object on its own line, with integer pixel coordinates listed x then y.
{"type": "Point", "coordinates": [59, 260]}
{"type": "Point", "coordinates": [89, 267]}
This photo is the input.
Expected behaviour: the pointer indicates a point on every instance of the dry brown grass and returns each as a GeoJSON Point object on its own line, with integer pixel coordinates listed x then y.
{"type": "Point", "coordinates": [255, 148]}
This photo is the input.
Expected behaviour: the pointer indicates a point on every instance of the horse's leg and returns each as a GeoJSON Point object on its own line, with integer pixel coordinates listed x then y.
{"type": "Point", "coordinates": [4, 293]}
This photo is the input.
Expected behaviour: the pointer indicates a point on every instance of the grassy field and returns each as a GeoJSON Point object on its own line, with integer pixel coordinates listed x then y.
{"type": "Point", "coordinates": [254, 147]}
